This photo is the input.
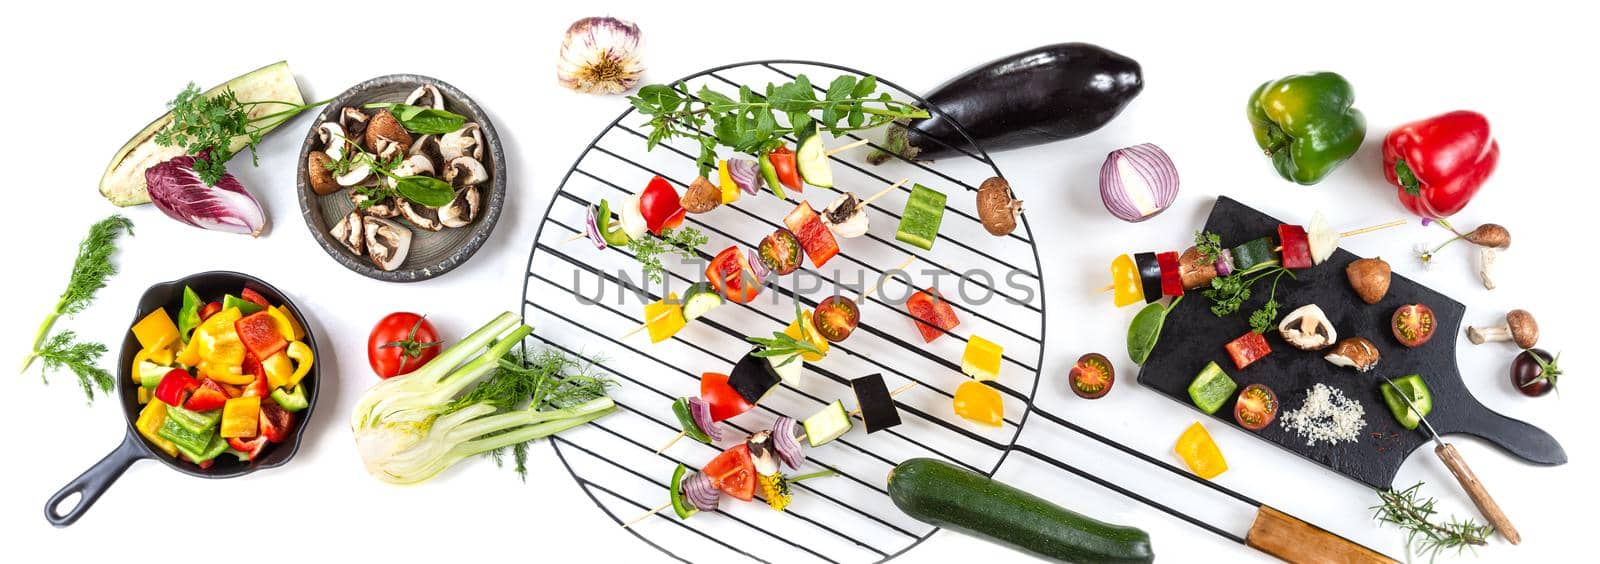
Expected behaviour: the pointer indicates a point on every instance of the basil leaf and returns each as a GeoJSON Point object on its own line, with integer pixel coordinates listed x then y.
{"type": "Point", "coordinates": [841, 88]}
{"type": "Point", "coordinates": [660, 96]}
{"type": "Point", "coordinates": [425, 190]}
{"type": "Point", "coordinates": [865, 87]}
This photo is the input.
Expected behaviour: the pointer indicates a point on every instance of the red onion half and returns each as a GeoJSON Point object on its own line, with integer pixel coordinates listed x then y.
{"type": "Point", "coordinates": [746, 174]}
{"type": "Point", "coordinates": [700, 412]}
{"type": "Point", "coordinates": [591, 227]}
{"type": "Point", "coordinates": [757, 268]}
{"type": "Point", "coordinates": [784, 440]}
{"type": "Point", "coordinates": [1225, 262]}
{"type": "Point", "coordinates": [1138, 182]}
{"type": "Point", "coordinates": [700, 493]}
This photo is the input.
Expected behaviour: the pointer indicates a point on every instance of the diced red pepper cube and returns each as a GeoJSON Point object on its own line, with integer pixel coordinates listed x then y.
{"type": "Point", "coordinates": [933, 314]}
{"type": "Point", "coordinates": [175, 387]}
{"type": "Point", "coordinates": [1171, 278]}
{"type": "Point", "coordinates": [260, 334]}
{"type": "Point", "coordinates": [1296, 247]}
{"type": "Point", "coordinates": [207, 397]}
{"type": "Point", "coordinates": [1248, 348]}
{"type": "Point", "coordinates": [250, 447]}
{"type": "Point", "coordinates": [275, 423]}
{"type": "Point", "coordinates": [814, 236]}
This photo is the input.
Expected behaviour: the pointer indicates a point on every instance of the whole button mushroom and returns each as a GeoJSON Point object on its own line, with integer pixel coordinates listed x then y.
{"type": "Point", "coordinates": [1519, 327]}
{"type": "Point", "coordinates": [1490, 238]}
{"type": "Point", "coordinates": [998, 208]}
{"type": "Point", "coordinates": [1369, 277]}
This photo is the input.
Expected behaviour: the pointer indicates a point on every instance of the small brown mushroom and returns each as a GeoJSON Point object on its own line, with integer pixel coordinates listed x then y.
{"type": "Point", "coordinates": [1307, 328]}
{"type": "Point", "coordinates": [1354, 352]}
{"type": "Point", "coordinates": [319, 169]}
{"type": "Point", "coordinates": [1195, 270]}
{"type": "Point", "coordinates": [1369, 277]}
{"type": "Point", "coordinates": [460, 211]}
{"type": "Point", "coordinates": [998, 208]}
{"type": "Point", "coordinates": [423, 217]}
{"type": "Point", "coordinates": [1520, 327]}
{"type": "Point", "coordinates": [1490, 238]}
{"type": "Point", "coordinates": [354, 122]}
{"type": "Point", "coordinates": [702, 196]}
{"type": "Point", "coordinates": [384, 129]}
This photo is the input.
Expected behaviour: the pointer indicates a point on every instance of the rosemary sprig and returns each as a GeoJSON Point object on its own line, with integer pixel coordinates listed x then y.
{"type": "Point", "coordinates": [782, 345]}
{"type": "Point", "coordinates": [1408, 510]}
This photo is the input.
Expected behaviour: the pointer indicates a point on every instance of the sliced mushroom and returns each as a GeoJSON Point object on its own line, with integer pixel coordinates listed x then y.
{"type": "Point", "coordinates": [462, 210]}
{"type": "Point", "coordinates": [319, 170]}
{"type": "Point", "coordinates": [384, 130]}
{"type": "Point", "coordinates": [416, 165]}
{"type": "Point", "coordinates": [349, 233]}
{"type": "Point", "coordinates": [464, 142]}
{"type": "Point", "coordinates": [385, 209]}
{"type": "Point", "coordinates": [1308, 329]}
{"type": "Point", "coordinates": [426, 96]}
{"type": "Point", "coordinates": [390, 150]}
{"type": "Point", "coordinates": [354, 121]}
{"type": "Point", "coordinates": [998, 208]}
{"type": "Point", "coordinates": [356, 175]}
{"type": "Point", "coordinates": [333, 139]}
{"type": "Point", "coordinates": [762, 453]}
{"type": "Point", "coordinates": [1354, 352]}
{"type": "Point", "coordinates": [428, 146]}
{"type": "Point", "coordinates": [846, 217]}
{"type": "Point", "coordinates": [421, 216]}
{"type": "Point", "coordinates": [1520, 327]}
{"type": "Point", "coordinates": [388, 242]}
{"type": "Point", "coordinates": [465, 171]}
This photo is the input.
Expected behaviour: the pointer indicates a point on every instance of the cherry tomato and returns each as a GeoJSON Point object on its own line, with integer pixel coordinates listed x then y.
{"type": "Point", "coordinates": [836, 317]}
{"type": "Point", "coordinates": [1256, 407]}
{"type": "Point", "coordinates": [725, 401]}
{"type": "Point", "coordinates": [783, 163]}
{"type": "Point", "coordinates": [733, 472]}
{"type": "Point", "coordinates": [780, 251]}
{"type": "Point", "coordinates": [1534, 372]}
{"type": "Point", "coordinates": [730, 273]}
{"type": "Point", "coordinates": [660, 206]}
{"type": "Point", "coordinates": [1092, 376]}
{"type": "Point", "coordinates": [209, 310]}
{"type": "Point", "coordinates": [254, 297]}
{"type": "Point", "coordinates": [400, 343]}
{"type": "Point", "coordinates": [1413, 324]}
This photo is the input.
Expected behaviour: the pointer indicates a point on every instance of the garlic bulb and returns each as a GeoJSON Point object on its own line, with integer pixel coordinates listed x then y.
{"type": "Point", "coordinates": [599, 56]}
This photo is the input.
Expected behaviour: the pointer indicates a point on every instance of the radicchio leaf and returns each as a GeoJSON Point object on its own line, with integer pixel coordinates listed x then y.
{"type": "Point", "coordinates": [176, 189]}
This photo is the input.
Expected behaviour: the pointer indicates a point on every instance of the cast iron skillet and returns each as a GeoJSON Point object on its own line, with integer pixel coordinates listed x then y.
{"type": "Point", "coordinates": [94, 481]}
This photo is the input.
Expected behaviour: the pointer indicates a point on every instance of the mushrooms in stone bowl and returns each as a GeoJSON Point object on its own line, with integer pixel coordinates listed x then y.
{"type": "Point", "coordinates": [401, 178]}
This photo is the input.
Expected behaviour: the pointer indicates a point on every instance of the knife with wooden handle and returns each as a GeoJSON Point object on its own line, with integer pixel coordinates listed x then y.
{"type": "Point", "coordinates": [1464, 476]}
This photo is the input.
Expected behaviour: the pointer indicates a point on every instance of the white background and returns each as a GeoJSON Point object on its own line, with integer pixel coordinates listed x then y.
{"type": "Point", "coordinates": [80, 80]}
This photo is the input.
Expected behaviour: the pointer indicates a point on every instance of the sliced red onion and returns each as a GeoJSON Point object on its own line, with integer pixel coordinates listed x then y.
{"type": "Point", "coordinates": [1138, 182]}
{"type": "Point", "coordinates": [591, 227]}
{"type": "Point", "coordinates": [1225, 262]}
{"type": "Point", "coordinates": [757, 268]}
{"type": "Point", "coordinates": [746, 174]}
{"type": "Point", "coordinates": [700, 493]}
{"type": "Point", "coordinates": [700, 412]}
{"type": "Point", "coordinates": [176, 190]}
{"type": "Point", "coordinates": [785, 440]}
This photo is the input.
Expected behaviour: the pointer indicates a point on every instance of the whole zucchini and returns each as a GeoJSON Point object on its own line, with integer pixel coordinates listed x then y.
{"type": "Point", "coordinates": [1037, 96]}
{"type": "Point", "coordinates": [944, 495]}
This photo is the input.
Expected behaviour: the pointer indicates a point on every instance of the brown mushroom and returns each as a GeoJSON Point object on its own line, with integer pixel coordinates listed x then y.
{"type": "Point", "coordinates": [998, 208]}
{"type": "Point", "coordinates": [424, 217]}
{"type": "Point", "coordinates": [1490, 238]}
{"type": "Point", "coordinates": [702, 196]}
{"type": "Point", "coordinates": [354, 121]}
{"type": "Point", "coordinates": [1520, 327]}
{"type": "Point", "coordinates": [319, 169]}
{"type": "Point", "coordinates": [383, 130]}
{"type": "Point", "coordinates": [1354, 352]}
{"type": "Point", "coordinates": [1307, 328]}
{"type": "Point", "coordinates": [348, 232]}
{"type": "Point", "coordinates": [387, 242]}
{"type": "Point", "coordinates": [1369, 277]}
{"type": "Point", "coordinates": [1195, 269]}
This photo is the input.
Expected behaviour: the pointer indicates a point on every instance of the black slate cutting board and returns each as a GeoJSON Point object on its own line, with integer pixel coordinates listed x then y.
{"type": "Point", "coordinates": [1193, 336]}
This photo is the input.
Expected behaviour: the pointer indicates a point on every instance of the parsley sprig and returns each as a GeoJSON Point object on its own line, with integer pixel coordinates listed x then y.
{"type": "Point", "coordinates": [756, 123]}
{"type": "Point", "coordinates": [1229, 293]}
{"type": "Point", "coordinates": [208, 126]}
{"type": "Point", "coordinates": [90, 271]}
{"type": "Point", "coordinates": [683, 241]}
{"type": "Point", "coordinates": [1209, 245]}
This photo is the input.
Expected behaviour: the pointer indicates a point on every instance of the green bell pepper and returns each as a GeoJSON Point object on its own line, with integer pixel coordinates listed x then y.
{"type": "Point", "coordinates": [609, 230]}
{"type": "Point", "coordinates": [189, 314]}
{"type": "Point", "coordinates": [187, 440]}
{"type": "Point", "coordinates": [206, 452]}
{"type": "Point", "coordinates": [291, 399]}
{"type": "Point", "coordinates": [194, 421]}
{"type": "Point", "coordinates": [1305, 123]}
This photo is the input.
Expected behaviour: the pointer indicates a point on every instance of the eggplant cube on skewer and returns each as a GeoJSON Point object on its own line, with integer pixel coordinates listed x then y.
{"type": "Point", "coordinates": [875, 403]}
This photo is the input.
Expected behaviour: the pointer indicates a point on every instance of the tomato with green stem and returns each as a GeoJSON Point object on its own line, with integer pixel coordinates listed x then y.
{"type": "Point", "coordinates": [400, 343]}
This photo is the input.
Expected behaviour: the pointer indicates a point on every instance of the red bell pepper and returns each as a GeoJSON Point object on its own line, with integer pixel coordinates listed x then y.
{"type": "Point", "coordinates": [259, 388]}
{"type": "Point", "coordinates": [275, 423]}
{"type": "Point", "coordinates": [725, 401]}
{"type": "Point", "coordinates": [1248, 348]}
{"type": "Point", "coordinates": [1296, 246]}
{"type": "Point", "coordinates": [660, 205]}
{"type": "Point", "coordinates": [1171, 276]}
{"type": "Point", "coordinates": [254, 297]}
{"type": "Point", "coordinates": [175, 387]}
{"type": "Point", "coordinates": [1439, 163]}
{"type": "Point", "coordinates": [730, 273]}
{"type": "Point", "coordinates": [933, 314]}
{"type": "Point", "coordinates": [250, 447]}
{"type": "Point", "coordinates": [260, 334]}
{"type": "Point", "coordinates": [814, 236]}
{"type": "Point", "coordinates": [207, 397]}
{"type": "Point", "coordinates": [784, 164]}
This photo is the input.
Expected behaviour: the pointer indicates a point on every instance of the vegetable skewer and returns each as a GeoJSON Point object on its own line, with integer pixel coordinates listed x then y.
{"type": "Point", "coordinates": [857, 413]}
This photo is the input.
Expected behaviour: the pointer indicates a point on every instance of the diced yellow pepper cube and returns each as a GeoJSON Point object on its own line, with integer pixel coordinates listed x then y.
{"type": "Point", "coordinates": [730, 190]}
{"type": "Point", "coordinates": [133, 367]}
{"type": "Point", "coordinates": [151, 418]}
{"type": "Point", "coordinates": [793, 331]}
{"type": "Point", "coordinates": [303, 359]}
{"type": "Point", "coordinates": [1200, 453]}
{"type": "Point", "coordinates": [144, 395]}
{"type": "Point", "coordinates": [279, 369]}
{"type": "Point", "coordinates": [664, 319]}
{"type": "Point", "coordinates": [190, 356]}
{"type": "Point", "coordinates": [240, 417]}
{"type": "Point", "coordinates": [981, 360]}
{"type": "Point", "coordinates": [156, 330]}
{"type": "Point", "coordinates": [977, 402]}
{"type": "Point", "coordinates": [163, 355]}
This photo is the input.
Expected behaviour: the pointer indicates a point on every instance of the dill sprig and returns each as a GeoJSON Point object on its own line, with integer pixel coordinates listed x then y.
{"type": "Point", "coordinates": [548, 379]}
{"type": "Point", "coordinates": [90, 271]}
{"type": "Point", "coordinates": [1408, 510]}
{"type": "Point", "coordinates": [63, 350]}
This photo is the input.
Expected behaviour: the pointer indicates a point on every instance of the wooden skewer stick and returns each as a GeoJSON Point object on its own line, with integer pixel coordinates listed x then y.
{"type": "Point", "coordinates": [1106, 288]}
{"type": "Point", "coordinates": [875, 287]}
{"type": "Point", "coordinates": [844, 147]}
{"type": "Point", "coordinates": [908, 385]}
{"type": "Point", "coordinates": [885, 191]}
{"type": "Point", "coordinates": [1352, 233]}
{"type": "Point", "coordinates": [636, 520]}
{"type": "Point", "coordinates": [646, 324]}
{"type": "Point", "coordinates": [675, 439]}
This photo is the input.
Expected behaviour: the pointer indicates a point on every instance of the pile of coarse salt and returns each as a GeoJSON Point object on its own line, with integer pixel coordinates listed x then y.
{"type": "Point", "coordinates": [1326, 416]}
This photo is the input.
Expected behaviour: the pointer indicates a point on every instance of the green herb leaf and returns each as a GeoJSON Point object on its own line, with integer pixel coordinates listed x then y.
{"type": "Point", "coordinates": [63, 350]}
{"type": "Point", "coordinates": [425, 190]}
{"type": "Point", "coordinates": [429, 121]}
{"type": "Point", "coordinates": [841, 88]}
{"type": "Point", "coordinates": [90, 271]}
{"type": "Point", "coordinates": [683, 242]}
{"type": "Point", "coordinates": [1209, 245]}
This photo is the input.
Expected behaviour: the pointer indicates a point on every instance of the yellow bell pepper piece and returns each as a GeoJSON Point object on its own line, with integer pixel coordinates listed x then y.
{"type": "Point", "coordinates": [189, 356]}
{"type": "Point", "coordinates": [730, 190]}
{"type": "Point", "coordinates": [279, 369]}
{"type": "Point", "coordinates": [977, 402]}
{"type": "Point", "coordinates": [156, 330]}
{"type": "Point", "coordinates": [981, 360]}
{"type": "Point", "coordinates": [240, 417]}
{"type": "Point", "coordinates": [287, 325]}
{"type": "Point", "coordinates": [664, 318]}
{"type": "Point", "coordinates": [811, 334]}
{"type": "Point", "coordinates": [303, 360]}
{"type": "Point", "coordinates": [1125, 284]}
{"type": "Point", "coordinates": [163, 355]}
{"type": "Point", "coordinates": [1198, 451]}
{"type": "Point", "coordinates": [150, 418]}
{"type": "Point", "coordinates": [144, 395]}
{"type": "Point", "coordinates": [220, 351]}
{"type": "Point", "coordinates": [133, 367]}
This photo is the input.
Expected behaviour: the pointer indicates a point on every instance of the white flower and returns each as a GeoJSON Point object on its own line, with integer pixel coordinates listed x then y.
{"type": "Point", "coordinates": [1425, 255]}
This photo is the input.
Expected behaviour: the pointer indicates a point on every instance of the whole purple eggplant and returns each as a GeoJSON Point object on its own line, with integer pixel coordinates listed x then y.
{"type": "Point", "coordinates": [1037, 96]}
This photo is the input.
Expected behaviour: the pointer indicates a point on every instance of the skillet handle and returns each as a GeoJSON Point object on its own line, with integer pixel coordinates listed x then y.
{"type": "Point", "coordinates": [94, 481]}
